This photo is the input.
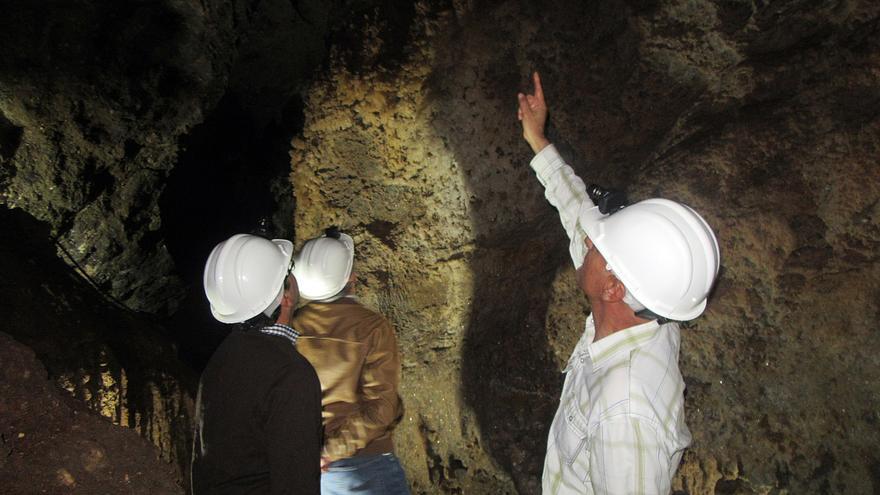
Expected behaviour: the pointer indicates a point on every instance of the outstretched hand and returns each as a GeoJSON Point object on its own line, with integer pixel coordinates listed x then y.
{"type": "Point", "coordinates": [532, 112]}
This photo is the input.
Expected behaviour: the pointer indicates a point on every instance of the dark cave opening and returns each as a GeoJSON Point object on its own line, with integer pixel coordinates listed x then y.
{"type": "Point", "coordinates": [231, 178]}
{"type": "Point", "coordinates": [10, 138]}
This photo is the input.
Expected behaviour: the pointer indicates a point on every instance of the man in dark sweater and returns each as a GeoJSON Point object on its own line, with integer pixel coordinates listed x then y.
{"type": "Point", "coordinates": [258, 410]}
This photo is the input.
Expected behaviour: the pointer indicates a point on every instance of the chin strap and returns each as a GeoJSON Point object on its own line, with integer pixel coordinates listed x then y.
{"type": "Point", "coordinates": [647, 314]}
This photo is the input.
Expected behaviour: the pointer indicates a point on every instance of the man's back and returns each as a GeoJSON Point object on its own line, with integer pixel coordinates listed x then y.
{"type": "Point", "coordinates": [258, 419]}
{"type": "Point", "coordinates": [354, 350]}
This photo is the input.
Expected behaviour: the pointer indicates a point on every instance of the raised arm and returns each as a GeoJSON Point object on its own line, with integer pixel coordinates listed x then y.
{"type": "Point", "coordinates": [533, 115]}
{"type": "Point", "coordinates": [562, 188]}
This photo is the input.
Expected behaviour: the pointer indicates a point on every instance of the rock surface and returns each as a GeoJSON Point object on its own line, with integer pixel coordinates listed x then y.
{"type": "Point", "coordinates": [100, 356]}
{"type": "Point", "coordinates": [53, 444]}
{"type": "Point", "coordinates": [762, 117]}
{"type": "Point", "coordinates": [96, 96]}
{"type": "Point", "coordinates": [96, 100]}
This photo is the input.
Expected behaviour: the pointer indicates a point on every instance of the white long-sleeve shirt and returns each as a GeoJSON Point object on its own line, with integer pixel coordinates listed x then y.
{"type": "Point", "coordinates": [620, 424]}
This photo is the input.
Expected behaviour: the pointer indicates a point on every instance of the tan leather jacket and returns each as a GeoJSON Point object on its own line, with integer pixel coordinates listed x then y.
{"type": "Point", "coordinates": [354, 351]}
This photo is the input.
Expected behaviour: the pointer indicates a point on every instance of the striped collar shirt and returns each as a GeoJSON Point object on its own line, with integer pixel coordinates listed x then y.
{"type": "Point", "coordinates": [280, 330]}
{"type": "Point", "coordinates": [619, 428]}
{"type": "Point", "coordinates": [620, 424]}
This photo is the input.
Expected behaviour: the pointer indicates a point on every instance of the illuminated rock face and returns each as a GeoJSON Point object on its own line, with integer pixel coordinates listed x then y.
{"type": "Point", "coordinates": [97, 113]}
{"type": "Point", "coordinates": [764, 119]}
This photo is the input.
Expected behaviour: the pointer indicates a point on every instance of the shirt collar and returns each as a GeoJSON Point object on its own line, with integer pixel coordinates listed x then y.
{"type": "Point", "coordinates": [626, 340]}
{"type": "Point", "coordinates": [282, 331]}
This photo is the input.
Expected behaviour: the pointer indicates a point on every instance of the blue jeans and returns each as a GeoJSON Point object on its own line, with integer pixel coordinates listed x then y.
{"type": "Point", "coordinates": [379, 474]}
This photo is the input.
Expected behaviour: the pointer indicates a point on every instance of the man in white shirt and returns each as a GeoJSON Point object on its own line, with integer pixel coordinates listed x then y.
{"type": "Point", "coordinates": [620, 424]}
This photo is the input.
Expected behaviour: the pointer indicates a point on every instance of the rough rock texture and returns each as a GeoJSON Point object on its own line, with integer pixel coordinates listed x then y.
{"type": "Point", "coordinates": [106, 357]}
{"type": "Point", "coordinates": [94, 100]}
{"type": "Point", "coordinates": [764, 117]}
{"type": "Point", "coordinates": [50, 443]}
{"type": "Point", "coordinates": [109, 118]}
{"type": "Point", "coordinates": [97, 95]}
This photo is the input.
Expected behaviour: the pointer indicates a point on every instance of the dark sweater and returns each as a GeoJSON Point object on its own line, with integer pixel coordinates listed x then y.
{"type": "Point", "coordinates": [258, 420]}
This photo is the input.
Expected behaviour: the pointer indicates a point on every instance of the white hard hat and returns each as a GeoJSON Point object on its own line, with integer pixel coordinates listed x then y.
{"type": "Point", "coordinates": [244, 276]}
{"type": "Point", "coordinates": [664, 253]}
{"type": "Point", "coordinates": [323, 266]}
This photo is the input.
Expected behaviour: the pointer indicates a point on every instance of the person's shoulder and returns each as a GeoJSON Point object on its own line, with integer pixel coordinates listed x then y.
{"type": "Point", "coordinates": [249, 353]}
{"type": "Point", "coordinates": [655, 378]}
{"type": "Point", "coordinates": [297, 360]}
{"type": "Point", "coordinates": [300, 372]}
{"type": "Point", "coordinates": [613, 384]}
{"type": "Point", "coordinates": [264, 345]}
{"type": "Point", "coordinates": [652, 361]}
{"type": "Point", "coordinates": [367, 315]}
{"type": "Point", "coordinates": [232, 344]}
{"type": "Point", "coordinates": [626, 376]}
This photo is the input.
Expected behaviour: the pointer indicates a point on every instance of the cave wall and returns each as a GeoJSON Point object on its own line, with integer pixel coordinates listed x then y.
{"type": "Point", "coordinates": [762, 116]}
{"type": "Point", "coordinates": [105, 107]}
{"type": "Point", "coordinates": [99, 355]}
{"type": "Point", "coordinates": [98, 95]}
{"type": "Point", "coordinates": [52, 444]}
{"type": "Point", "coordinates": [97, 100]}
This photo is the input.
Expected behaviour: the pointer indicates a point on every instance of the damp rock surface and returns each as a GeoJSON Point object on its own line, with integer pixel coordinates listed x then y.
{"type": "Point", "coordinates": [51, 443]}
{"type": "Point", "coordinates": [99, 102]}
{"type": "Point", "coordinates": [98, 362]}
{"type": "Point", "coordinates": [93, 98]}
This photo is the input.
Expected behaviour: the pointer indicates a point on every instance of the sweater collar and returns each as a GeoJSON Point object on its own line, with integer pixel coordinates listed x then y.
{"type": "Point", "coordinates": [281, 331]}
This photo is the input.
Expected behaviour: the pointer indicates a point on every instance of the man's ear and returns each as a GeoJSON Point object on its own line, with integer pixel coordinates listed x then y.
{"type": "Point", "coordinates": [614, 290]}
{"type": "Point", "coordinates": [291, 292]}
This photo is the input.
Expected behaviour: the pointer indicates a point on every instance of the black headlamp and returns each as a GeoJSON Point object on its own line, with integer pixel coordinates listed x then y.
{"type": "Point", "coordinates": [608, 200]}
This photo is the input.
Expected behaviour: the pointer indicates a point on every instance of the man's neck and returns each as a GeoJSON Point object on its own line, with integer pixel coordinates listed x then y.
{"type": "Point", "coordinates": [609, 318]}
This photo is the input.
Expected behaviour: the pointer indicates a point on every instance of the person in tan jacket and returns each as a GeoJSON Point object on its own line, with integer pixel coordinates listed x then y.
{"type": "Point", "coordinates": [354, 351]}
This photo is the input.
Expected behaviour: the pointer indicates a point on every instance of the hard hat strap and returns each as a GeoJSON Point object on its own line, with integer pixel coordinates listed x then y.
{"type": "Point", "coordinates": [647, 314]}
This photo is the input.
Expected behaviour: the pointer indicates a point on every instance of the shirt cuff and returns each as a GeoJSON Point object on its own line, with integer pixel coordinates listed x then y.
{"type": "Point", "coordinates": [546, 161]}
